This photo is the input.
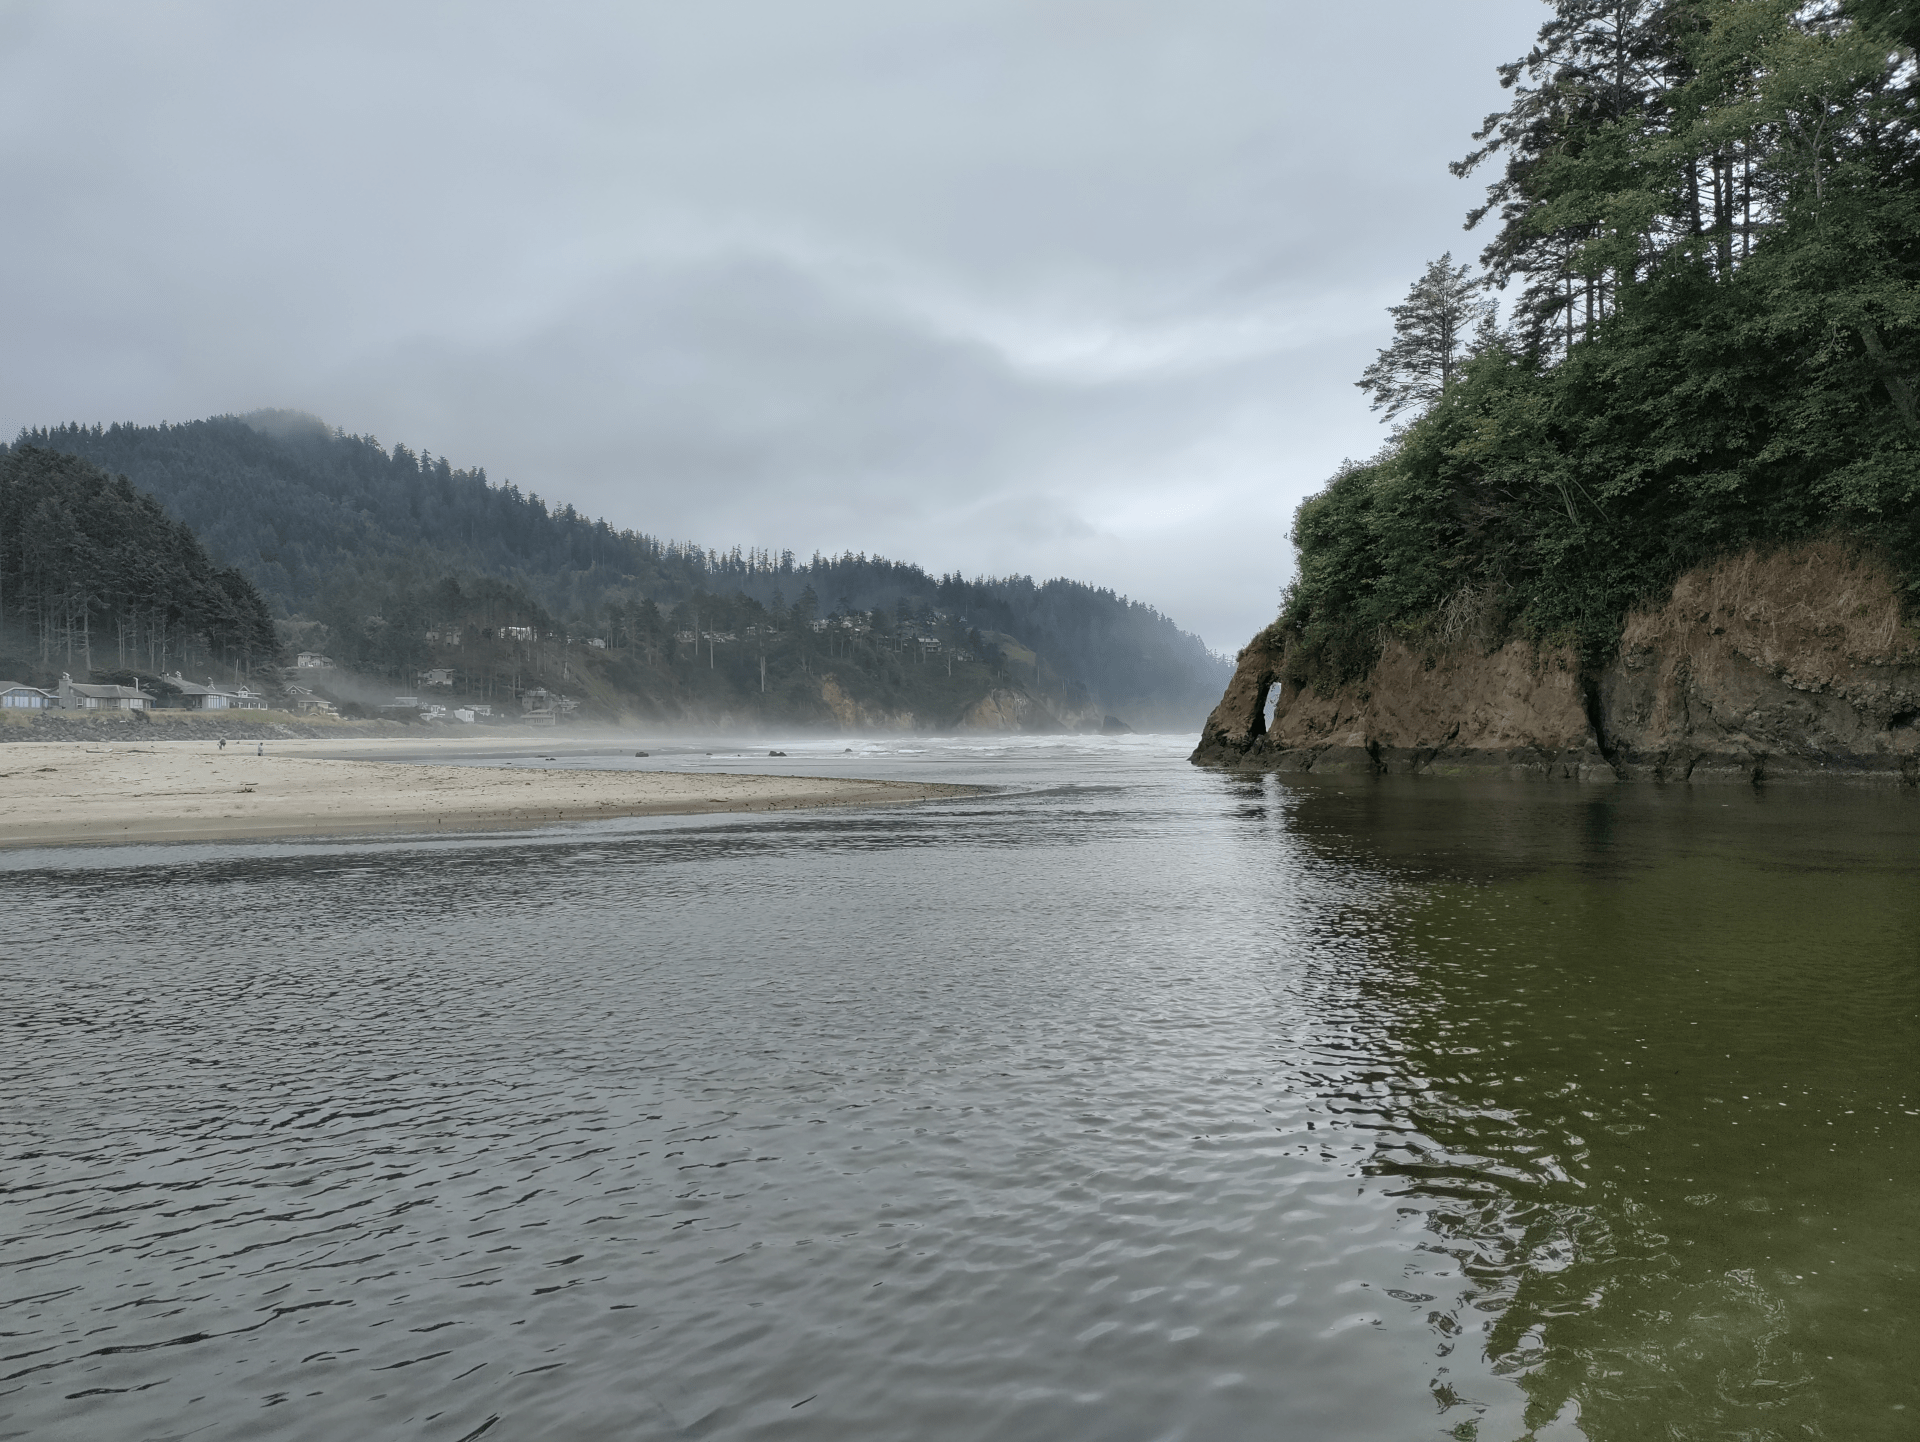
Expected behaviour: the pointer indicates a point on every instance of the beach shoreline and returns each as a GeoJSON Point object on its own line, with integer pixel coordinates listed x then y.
{"type": "Point", "coordinates": [99, 793]}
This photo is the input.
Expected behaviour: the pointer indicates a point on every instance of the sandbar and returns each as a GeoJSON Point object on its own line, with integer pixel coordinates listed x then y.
{"type": "Point", "coordinates": [61, 793]}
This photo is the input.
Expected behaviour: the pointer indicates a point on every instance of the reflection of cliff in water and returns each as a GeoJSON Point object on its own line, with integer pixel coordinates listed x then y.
{"type": "Point", "coordinates": [1642, 1067]}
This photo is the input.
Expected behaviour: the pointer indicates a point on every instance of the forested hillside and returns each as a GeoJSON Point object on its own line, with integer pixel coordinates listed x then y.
{"type": "Point", "coordinates": [362, 550]}
{"type": "Point", "coordinates": [1708, 215]}
{"type": "Point", "coordinates": [93, 574]}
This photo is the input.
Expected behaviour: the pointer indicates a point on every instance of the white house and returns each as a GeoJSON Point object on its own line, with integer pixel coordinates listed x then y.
{"type": "Point", "coordinates": [308, 704]}
{"type": "Point", "coordinates": [18, 696]}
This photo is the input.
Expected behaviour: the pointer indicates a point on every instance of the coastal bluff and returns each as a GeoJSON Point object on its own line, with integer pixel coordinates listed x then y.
{"type": "Point", "coordinates": [1796, 663]}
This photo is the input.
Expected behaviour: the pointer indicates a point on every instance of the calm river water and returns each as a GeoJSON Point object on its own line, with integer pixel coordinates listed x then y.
{"type": "Point", "coordinates": [1127, 1102]}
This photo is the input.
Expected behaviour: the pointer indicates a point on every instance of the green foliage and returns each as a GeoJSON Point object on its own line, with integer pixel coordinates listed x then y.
{"type": "Point", "coordinates": [337, 528]}
{"type": "Point", "coordinates": [388, 620]}
{"type": "Point", "coordinates": [1434, 330]}
{"type": "Point", "coordinates": [298, 506]}
{"type": "Point", "coordinates": [90, 568]}
{"type": "Point", "coordinates": [1732, 363]}
{"type": "Point", "coordinates": [715, 655]}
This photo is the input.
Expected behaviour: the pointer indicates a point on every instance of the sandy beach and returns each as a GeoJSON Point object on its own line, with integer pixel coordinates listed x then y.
{"type": "Point", "coordinates": [59, 793]}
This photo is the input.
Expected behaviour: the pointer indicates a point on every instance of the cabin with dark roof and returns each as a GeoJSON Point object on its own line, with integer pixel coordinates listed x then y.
{"type": "Point", "coordinates": [192, 696]}
{"type": "Point", "coordinates": [75, 697]}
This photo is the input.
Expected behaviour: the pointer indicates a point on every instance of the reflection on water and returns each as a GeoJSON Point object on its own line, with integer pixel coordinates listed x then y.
{"type": "Point", "coordinates": [1652, 1061]}
{"type": "Point", "coordinates": [1131, 1101]}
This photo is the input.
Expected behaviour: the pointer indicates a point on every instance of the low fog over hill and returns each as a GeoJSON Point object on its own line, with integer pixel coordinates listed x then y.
{"type": "Point", "coordinates": [393, 563]}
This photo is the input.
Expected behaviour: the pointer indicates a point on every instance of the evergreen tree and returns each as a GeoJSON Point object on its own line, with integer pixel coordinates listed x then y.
{"type": "Point", "coordinates": [321, 522]}
{"type": "Point", "coordinates": [90, 566]}
{"type": "Point", "coordinates": [1714, 208]}
{"type": "Point", "coordinates": [1433, 329]}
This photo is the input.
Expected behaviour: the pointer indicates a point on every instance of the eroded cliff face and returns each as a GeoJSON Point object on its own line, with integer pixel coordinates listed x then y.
{"type": "Point", "coordinates": [1792, 664]}
{"type": "Point", "coordinates": [853, 715]}
{"type": "Point", "coordinates": [1003, 709]}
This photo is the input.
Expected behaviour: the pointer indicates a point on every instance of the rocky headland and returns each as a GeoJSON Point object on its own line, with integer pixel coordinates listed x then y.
{"type": "Point", "coordinates": [1799, 663]}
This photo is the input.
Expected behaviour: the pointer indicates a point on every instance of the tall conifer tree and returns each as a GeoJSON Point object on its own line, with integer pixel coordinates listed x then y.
{"type": "Point", "coordinates": [1433, 332]}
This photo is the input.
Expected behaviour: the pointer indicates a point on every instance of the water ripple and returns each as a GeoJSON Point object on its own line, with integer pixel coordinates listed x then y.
{"type": "Point", "coordinates": [1167, 1106]}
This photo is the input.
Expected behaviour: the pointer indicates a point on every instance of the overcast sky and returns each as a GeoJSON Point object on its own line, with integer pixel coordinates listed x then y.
{"type": "Point", "coordinates": [1044, 286]}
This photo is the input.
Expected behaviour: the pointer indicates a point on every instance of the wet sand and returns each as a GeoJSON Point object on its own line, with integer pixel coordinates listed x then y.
{"type": "Point", "coordinates": [57, 793]}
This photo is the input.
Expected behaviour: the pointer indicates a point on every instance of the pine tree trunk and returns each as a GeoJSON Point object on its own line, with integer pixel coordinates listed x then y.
{"type": "Point", "coordinates": [1899, 388]}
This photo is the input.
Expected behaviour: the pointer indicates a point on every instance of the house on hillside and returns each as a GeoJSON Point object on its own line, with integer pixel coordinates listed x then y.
{"type": "Point", "coordinates": [544, 708]}
{"type": "Point", "coordinates": [18, 696]}
{"type": "Point", "coordinates": [438, 676]}
{"type": "Point", "coordinates": [312, 661]}
{"type": "Point", "coordinates": [302, 700]}
{"type": "Point", "coordinates": [75, 697]}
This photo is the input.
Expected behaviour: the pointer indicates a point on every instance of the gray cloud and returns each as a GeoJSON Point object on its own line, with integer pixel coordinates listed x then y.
{"type": "Point", "coordinates": [1069, 288]}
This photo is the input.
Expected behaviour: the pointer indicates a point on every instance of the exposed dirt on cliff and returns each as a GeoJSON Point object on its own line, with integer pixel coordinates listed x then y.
{"type": "Point", "coordinates": [1002, 709]}
{"type": "Point", "coordinates": [1765, 666]}
{"type": "Point", "coordinates": [854, 715]}
{"type": "Point", "coordinates": [1007, 710]}
{"type": "Point", "coordinates": [1795, 663]}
